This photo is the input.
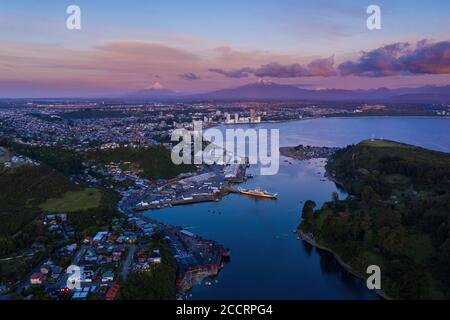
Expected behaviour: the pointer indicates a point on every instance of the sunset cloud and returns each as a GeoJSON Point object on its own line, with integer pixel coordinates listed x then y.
{"type": "Point", "coordinates": [401, 59]}
{"type": "Point", "coordinates": [189, 76]}
{"type": "Point", "coordinates": [397, 59]}
{"type": "Point", "coordinates": [120, 66]}
{"type": "Point", "coordinates": [318, 67]}
{"type": "Point", "coordinates": [239, 73]}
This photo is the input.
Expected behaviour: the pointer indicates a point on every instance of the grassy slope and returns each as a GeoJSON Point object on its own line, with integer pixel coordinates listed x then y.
{"type": "Point", "coordinates": [73, 201]}
{"type": "Point", "coordinates": [22, 189]}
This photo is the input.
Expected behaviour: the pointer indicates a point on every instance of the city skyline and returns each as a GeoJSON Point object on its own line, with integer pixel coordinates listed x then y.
{"type": "Point", "coordinates": [202, 46]}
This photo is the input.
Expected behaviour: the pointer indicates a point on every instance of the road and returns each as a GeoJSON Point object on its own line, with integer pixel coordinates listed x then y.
{"type": "Point", "coordinates": [17, 257]}
{"type": "Point", "coordinates": [62, 282]}
{"type": "Point", "coordinates": [126, 264]}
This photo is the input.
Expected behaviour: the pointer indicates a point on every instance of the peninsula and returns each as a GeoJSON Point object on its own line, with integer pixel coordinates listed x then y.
{"type": "Point", "coordinates": [396, 217]}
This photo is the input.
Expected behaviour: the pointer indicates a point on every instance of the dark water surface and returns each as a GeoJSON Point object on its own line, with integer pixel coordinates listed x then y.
{"type": "Point", "coordinates": [267, 261]}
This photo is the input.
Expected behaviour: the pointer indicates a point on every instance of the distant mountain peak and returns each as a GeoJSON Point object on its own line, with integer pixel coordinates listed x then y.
{"type": "Point", "coordinates": [266, 82]}
{"type": "Point", "coordinates": [156, 86]}
{"type": "Point", "coordinates": [154, 91]}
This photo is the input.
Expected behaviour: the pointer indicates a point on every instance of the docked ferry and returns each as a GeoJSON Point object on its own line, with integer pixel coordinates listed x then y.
{"type": "Point", "coordinates": [258, 193]}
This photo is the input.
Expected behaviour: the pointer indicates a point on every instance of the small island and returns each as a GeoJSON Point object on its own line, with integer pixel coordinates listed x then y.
{"type": "Point", "coordinates": [397, 217]}
{"type": "Point", "coordinates": [302, 152]}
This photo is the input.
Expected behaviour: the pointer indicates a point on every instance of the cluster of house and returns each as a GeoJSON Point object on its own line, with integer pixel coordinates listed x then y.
{"type": "Point", "coordinates": [109, 146]}
{"type": "Point", "coordinates": [49, 272]}
{"type": "Point", "coordinates": [103, 249]}
{"type": "Point", "coordinates": [113, 174]}
{"type": "Point", "coordinates": [99, 264]}
{"type": "Point", "coordinates": [100, 258]}
{"type": "Point", "coordinates": [67, 251]}
{"type": "Point", "coordinates": [116, 171]}
{"type": "Point", "coordinates": [109, 292]}
{"type": "Point", "coordinates": [58, 225]}
{"type": "Point", "coordinates": [145, 259]}
{"type": "Point", "coordinates": [17, 160]}
{"type": "Point", "coordinates": [145, 228]}
{"type": "Point", "coordinates": [103, 258]}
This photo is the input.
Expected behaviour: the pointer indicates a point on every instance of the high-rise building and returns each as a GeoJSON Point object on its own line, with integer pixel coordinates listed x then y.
{"type": "Point", "coordinates": [228, 117]}
{"type": "Point", "coordinates": [252, 115]}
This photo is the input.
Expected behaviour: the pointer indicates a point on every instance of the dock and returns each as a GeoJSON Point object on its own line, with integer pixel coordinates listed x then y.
{"type": "Point", "coordinates": [197, 199]}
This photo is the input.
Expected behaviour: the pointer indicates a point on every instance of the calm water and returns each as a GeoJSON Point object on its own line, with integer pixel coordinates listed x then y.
{"type": "Point", "coordinates": [267, 262]}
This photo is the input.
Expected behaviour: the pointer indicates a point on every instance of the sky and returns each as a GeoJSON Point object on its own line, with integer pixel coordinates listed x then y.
{"type": "Point", "coordinates": [193, 46]}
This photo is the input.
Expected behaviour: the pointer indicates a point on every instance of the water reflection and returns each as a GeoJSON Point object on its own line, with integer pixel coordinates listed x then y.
{"type": "Point", "coordinates": [267, 260]}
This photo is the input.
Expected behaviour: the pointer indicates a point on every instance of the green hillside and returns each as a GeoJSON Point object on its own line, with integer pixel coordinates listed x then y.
{"type": "Point", "coordinates": [389, 166]}
{"type": "Point", "coordinates": [28, 192]}
{"type": "Point", "coordinates": [398, 216]}
{"type": "Point", "coordinates": [155, 161]}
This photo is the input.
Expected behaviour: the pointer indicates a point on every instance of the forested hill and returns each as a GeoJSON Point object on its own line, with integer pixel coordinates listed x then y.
{"type": "Point", "coordinates": [389, 166]}
{"type": "Point", "coordinates": [397, 217]}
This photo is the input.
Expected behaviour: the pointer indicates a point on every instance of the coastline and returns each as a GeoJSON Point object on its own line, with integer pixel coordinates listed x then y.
{"type": "Point", "coordinates": [311, 241]}
{"type": "Point", "coordinates": [347, 267]}
{"type": "Point", "coordinates": [329, 116]}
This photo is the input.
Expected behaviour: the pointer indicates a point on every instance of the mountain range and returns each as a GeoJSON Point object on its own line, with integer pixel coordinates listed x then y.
{"type": "Point", "coordinates": [273, 91]}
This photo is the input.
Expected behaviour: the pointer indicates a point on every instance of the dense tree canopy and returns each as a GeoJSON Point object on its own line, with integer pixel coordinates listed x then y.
{"type": "Point", "coordinates": [398, 216]}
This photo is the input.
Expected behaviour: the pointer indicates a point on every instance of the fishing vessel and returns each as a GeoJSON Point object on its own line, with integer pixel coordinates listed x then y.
{"type": "Point", "coordinates": [258, 193]}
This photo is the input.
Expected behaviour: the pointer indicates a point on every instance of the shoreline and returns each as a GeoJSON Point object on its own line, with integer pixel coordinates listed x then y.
{"type": "Point", "coordinates": [331, 116]}
{"type": "Point", "coordinates": [345, 266]}
{"type": "Point", "coordinates": [306, 153]}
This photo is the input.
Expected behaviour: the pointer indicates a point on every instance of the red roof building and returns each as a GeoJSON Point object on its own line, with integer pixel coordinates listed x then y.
{"type": "Point", "coordinates": [37, 278]}
{"type": "Point", "coordinates": [112, 292]}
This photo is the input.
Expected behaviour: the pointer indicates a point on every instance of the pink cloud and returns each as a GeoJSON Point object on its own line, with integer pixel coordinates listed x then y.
{"type": "Point", "coordinates": [318, 67]}
{"type": "Point", "coordinates": [401, 59]}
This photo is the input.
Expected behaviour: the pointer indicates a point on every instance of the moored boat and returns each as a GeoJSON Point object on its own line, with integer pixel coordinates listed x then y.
{"type": "Point", "coordinates": [258, 193]}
